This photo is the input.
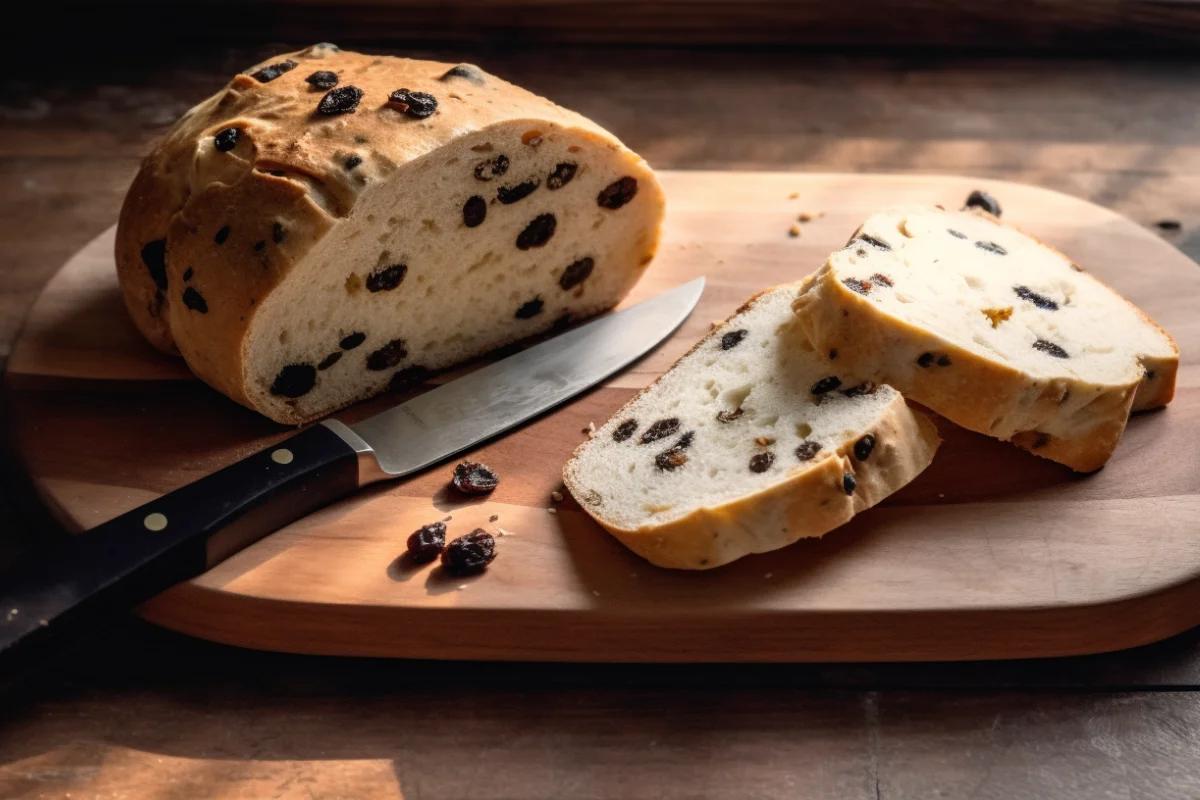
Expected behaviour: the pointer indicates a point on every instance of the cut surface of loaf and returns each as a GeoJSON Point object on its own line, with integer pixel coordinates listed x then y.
{"type": "Point", "coordinates": [990, 328]}
{"type": "Point", "coordinates": [331, 224]}
{"type": "Point", "coordinates": [748, 443]}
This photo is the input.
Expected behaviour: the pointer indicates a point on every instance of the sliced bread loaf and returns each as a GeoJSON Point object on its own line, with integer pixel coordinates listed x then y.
{"type": "Point", "coordinates": [990, 328]}
{"type": "Point", "coordinates": [746, 444]}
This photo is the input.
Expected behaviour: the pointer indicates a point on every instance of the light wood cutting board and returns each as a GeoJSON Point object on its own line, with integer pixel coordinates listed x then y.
{"type": "Point", "coordinates": [991, 553]}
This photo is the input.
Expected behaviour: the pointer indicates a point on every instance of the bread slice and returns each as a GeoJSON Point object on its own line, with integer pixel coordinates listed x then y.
{"type": "Point", "coordinates": [745, 445]}
{"type": "Point", "coordinates": [990, 328]}
{"type": "Point", "coordinates": [332, 223]}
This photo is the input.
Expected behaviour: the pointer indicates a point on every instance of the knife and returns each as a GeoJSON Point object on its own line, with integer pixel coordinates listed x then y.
{"type": "Point", "coordinates": [48, 596]}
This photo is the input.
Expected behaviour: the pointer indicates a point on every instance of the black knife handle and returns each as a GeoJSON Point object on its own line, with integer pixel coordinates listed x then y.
{"type": "Point", "coordinates": [46, 597]}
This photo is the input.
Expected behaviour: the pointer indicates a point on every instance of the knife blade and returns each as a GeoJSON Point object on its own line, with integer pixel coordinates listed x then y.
{"type": "Point", "coordinates": [46, 597]}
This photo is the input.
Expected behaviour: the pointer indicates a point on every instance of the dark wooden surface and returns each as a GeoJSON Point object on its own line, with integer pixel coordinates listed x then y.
{"type": "Point", "coordinates": [143, 713]}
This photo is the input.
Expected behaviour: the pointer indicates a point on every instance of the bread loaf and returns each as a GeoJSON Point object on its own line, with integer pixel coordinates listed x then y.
{"type": "Point", "coordinates": [332, 223]}
{"type": "Point", "coordinates": [990, 328]}
{"type": "Point", "coordinates": [745, 445]}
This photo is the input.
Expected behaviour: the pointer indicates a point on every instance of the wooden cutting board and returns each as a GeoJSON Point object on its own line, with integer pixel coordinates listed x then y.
{"type": "Point", "coordinates": [991, 553]}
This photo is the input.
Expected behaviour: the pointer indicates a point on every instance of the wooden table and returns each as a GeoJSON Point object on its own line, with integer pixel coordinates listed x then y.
{"type": "Point", "coordinates": [142, 712]}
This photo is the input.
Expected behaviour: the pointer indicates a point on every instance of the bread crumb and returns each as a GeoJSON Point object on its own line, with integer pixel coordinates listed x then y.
{"type": "Point", "coordinates": [12, 614]}
{"type": "Point", "coordinates": [493, 517]}
{"type": "Point", "coordinates": [556, 496]}
{"type": "Point", "coordinates": [767, 576]}
{"type": "Point", "coordinates": [595, 592]}
{"type": "Point", "coordinates": [590, 430]}
{"type": "Point", "coordinates": [633, 574]}
{"type": "Point", "coordinates": [447, 518]}
{"type": "Point", "coordinates": [462, 586]}
{"type": "Point", "coordinates": [941, 495]}
{"type": "Point", "coordinates": [552, 510]}
{"type": "Point", "coordinates": [503, 532]}
{"type": "Point", "coordinates": [794, 231]}
{"type": "Point", "coordinates": [716, 323]}
{"type": "Point", "coordinates": [808, 216]}
{"type": "Point", "coordinates": [793, 195]}
{"type": "Point", "coordinates": [763, 441]}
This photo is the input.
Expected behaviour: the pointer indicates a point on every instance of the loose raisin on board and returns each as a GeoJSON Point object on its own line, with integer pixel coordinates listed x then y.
{"type": "Point", "coordinates": [827, 384]}
{"type": "Point", "coordinates": [494, 167]}
{"type": "Point", "coordinates": [342, 100]}
{"type": "Point", "coordinates": [871, 240]}
{"type": "Point", "coordinates": [617, 193]}
{"type": "Point", "coordinates": [352, 340]}
{"type": "Point", "coordinates": [576, 273]}
{"type": "Point", "coordinates": [981, 199]}
{"type": "Point", "coordinates": [991, 247]}
{"type": "Point", "coordinates": [353, 161]}
{"type": "Point", "coordinates": [733, 339]}
{"type": "Point", "coordinates": [470, 554]}
{"type": "Point", "coordinates": [863, 447]}
{"type": "Point", "coordinates": [864, 388]}
{"type": "Point", "coordinates": [417, 105]}
{"type": "Point", "coordinates": [322, 79]}
{"type": "Point", "coordinates": [730, 416]}
{"type": "Point", "coordinates": [222, 235]}
{"type": "Point", "coordinates": [880, 278]}
{"type": "Point", "coordinates": [386, 278]}
{"type": "Point", "coordinates": [278, 233]}
{"type": "Point", "coordinates": [474, 211]}
{"type": "Point", "coordinates": [956, 234]}
{"type": "Point", "coordinates": [761, 462]}
{"type": "Point", "coordinates": [194, 300]}
{"type": "Point", "coordinates": [427, 542]}
{"type": "Point", "coordinates": [409, 377]}
{"type": "Point", "coordinates": [1050, 349]}
{"type": "Point", "coordinates": [660, 430]}
{"type": "Point", "coordinates": [625, 430]}
{"type": "Point", "coordinates": [562, 175]}
{"type": "Point", "coordinates": [329, 360]}
{"type": "Point", "coordinates": [468, 72]}
{"type": "Point", "coordinates": [471, 477]}
{"type": "Point", "coordinates": [294, 380]}
{"type": "Point", "coordinates": [273, 71]}
{"type": "Point", "coordinates": [226, 139]}
{"type": "Point", "coordinates": [848, 483]}
{"type": "Point", "coordinates": [511, 194]}
{"type": "Point", "coordinates": [154, 256]}
{"type": "Point", "coordinates": [925, 360]}
{"type": "Point", "coordinates": [537, 232]}
{"type": "Point", "coordinates": [530, 309]}
{"type": "Point", "coordinates": [808, 450]}
{"type": "Point", "coordinates": [1039, 300]}
{"type": "Point", "coordinates": [855, 285]}
{"type": "Point", "coordinates": [387, 356]}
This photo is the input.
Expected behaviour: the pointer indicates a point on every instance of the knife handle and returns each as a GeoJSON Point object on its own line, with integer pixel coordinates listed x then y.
{"type": "Point", "coordinates": [48, 596]}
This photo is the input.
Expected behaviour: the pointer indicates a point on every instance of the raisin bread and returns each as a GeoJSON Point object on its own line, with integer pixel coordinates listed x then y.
{"type": "Point", "coordinates": [990, 328]}
{"type": "Point", "coordinates": [745, 445]}
{"type": "Point", "coordinates": [331, 223]}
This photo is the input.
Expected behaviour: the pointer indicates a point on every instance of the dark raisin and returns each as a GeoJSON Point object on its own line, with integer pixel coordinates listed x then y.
{"type": "Point", "coordinates": [387, 356]}
{"type": "Point", "coordinates": [685, 441]}
{"type": "Point", "coordinates": [511, 194]}
{"type": "Point", "coordinates": [808, 450]}
{"type": "Point", "coordinates": [625, 430]}
{"type": "Point", "coordinates": [562, 323]}
{"type": "Point", "coordinates": [385, 279]}
{"type": "Point", "coordinates": [670, 460]}
{"type": "Point", "coordinates": [1040, 441]}
{"type": "Point", "coordinates": [1169, 225]}
{"type": "Point", "coordinates": [1039, 300]}
{"type": "Point", "coordinates": [617, 193]}
{"type": "Point", "coordinates": [980, 199]}
{"type": "Point", "coordinates": [761, 462]}
{"type": "Point", "coordinates": [537, 232]}
{"type": "Point", "coordinates": [342, 100]}
{"type": "Point", "coordinates": [471, 477]}
{"type": "Point", "coordinates": [227, 139]}
{"type": "Point", "coordinates": [833, 354]}
{"type": "Point", "coordinates": [222, 235]}
{"type": "Point", "coordinates": [871, 240]}
{"type": "Point", "coordinates": [468, 71]}
{"type": "Point", "coordinates": [470, 554]}
{"type": "Point", "coordinates": [260, 245]}
{"type": "Point", "coordinates": [278, 233]}
{"type": "Point", "coordinates": [353, 161]}
{"type": "Point", "coordinates": [956, 234]}
{"type": "Point", "coordinates": [187, 274]}
{"type": "Point", "coordinates": [855, 285]}
{"type": "Point", "coordinates": [322, 79]}
{"type": "Point", "coordinates": [273, 71]}
{"type": "Point", "coordinates": [562, 175]}
{"type": "Point", "coordinates": [474, 211]}
{"type": "Point", "coordinates": [991, 247]}
{"type": "Point", "coordinates": [194, 300]}
{"type": "Point", "coordinates": [576, 273]}
{"type": "Point", "coordinates": [660, 430]}
{"type": "Point", "coordinates": [826, 384]}
{"type": "Point", "coordinates": [154, 256]}
{"type": "Point", "coordinates": [426, 543]}
{"type": "Point", "coordinates": [417, 105]}
{"type": "Point", "coordinates": [409, 377]}
{"type": "Point", "coordinates": [848, 483]}
{"type": "Point", "coordinates": [863, 447]}
{"type": "Point", "coordinates": [733, 339]}
{"type": "Point", "coordinates": [864, 388]}
{"type": "Point", "coordinates": [294, 380]}
{"type": "Point", "coordinates": [879, 277]}
{"type": "Point", "coordinates": [1050, 349]}
{"type": "Point", "coordinates": [494, 167]}
{"type": "Point", "coordinates": [730, 416]}
{"type": "Point", "coordinates": [353, 340]}
{"type": "Point", "coordinates": [1149, 374]}
{"type": "Point", "coordinates": [925, 360]}
{"type": "Point", "coordinates": [278, 173]}
{"type": "Point", "coordinates": [943, 360]}
{"type": "Point", "coordinates": [530, 309]}
{"type": "Point", "coordinates": [329, 360]}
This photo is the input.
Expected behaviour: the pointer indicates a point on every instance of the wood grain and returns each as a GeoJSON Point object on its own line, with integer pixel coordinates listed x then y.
{"type": "Point", "coordinates": [989, 554]}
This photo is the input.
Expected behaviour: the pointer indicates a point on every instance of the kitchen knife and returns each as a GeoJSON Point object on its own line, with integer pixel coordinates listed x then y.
{"type": "Point", "coordinates": [46, 596]}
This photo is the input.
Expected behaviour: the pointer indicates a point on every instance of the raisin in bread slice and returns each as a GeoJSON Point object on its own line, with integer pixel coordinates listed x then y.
{"type": "Point", "coordinates": [745, 445]}
{"type": "Point", "coordinates": [332, 223]}
{"type": "Point", "coordinates": [990, 328]}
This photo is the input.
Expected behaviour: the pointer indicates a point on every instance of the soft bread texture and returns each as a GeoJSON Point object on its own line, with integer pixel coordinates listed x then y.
{"type": "Point", "coordinates": [755, 459]}
{"type": "Point", "coordinates": [309, 260]}
{"type": "Point", "coordinates": [990, 328]}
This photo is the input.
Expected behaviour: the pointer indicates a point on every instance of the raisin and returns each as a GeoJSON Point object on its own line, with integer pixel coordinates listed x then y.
{"type": "Point", "coordinates": [925, 360]}
{"type": "Point", "coordinates": [617, 193]}
{"type": "Point", "coordinates": [576, 273]}
{"type": "Point", "coordinates": [808, 450]}
{"type": "Point", "coordinates": [879, 277]}
{"type": "Point", "coordinates": [855, 285]}
{"type": "Point", "coordinates": [474, 211]}
{"type": "Point", "coordinates": [1149, 373]}
{"type": "Point", "coordinates": [562, 323]}
{"type": "Point", "coordinates": [226, 140]}
{"type": "Point", "coordinates": [660, 430]}
{"type": "Point", "coordinates": [670, 460]}
{"type": "Point", "coordinates": [387, 356]}
{"type": "Point", "coordinates": [730, 416]}
{"type": "Point", "coordinates": [353, 161]}
{"type": "Point", "coordinates": [492, 168]}
{"type": "Point", "coordinates": [329, 360]}
{"type": "Point", "coordinates": [511, 194]}
{"type": "Point", "coordinates": [864, 388]}
{"type": "Point", "coordinates": [625, 430]}
{"type": "Point", "coordinates": [386, 278]}
{"type": "Point", "coordinates": [761, 462]}
{"type": "Point", "coordinates": [685, 441]}
{"type": "Point", "coordinates": [943, 360]}
{"type": "Point", "coordinates": [468, 71]}
{"type": "Point", "coordinates": [826, 384]}
{"type": "Point", "coordinates": [278, 233]}
{"type": "Point", "coordinates": [980, 199]}
{"type": "Point", "coordinates": [863, 447]}
{"type": "Point", "coordinates": [733, 339]}
{"type": "Point", "coordinates": [956, 234]}
{"type": "Point", "coordinates": [222, 235]}
{"type": "Point", "coordinates": [871, 240]}
{"type": "Point", "coordinates": [849, 484]}
{"type": "Point", "coordinates": [1050, 349]}
{"type": "Point", "coordinates": [471, 477]}
{"type": "Point", "coordinates": [470, 554]}
{"type": "Point", "coordinates": [353, 340]}
{"type": "Point", "coordinates": [833, 354]}
{"type": "Point", "coordinates": [260, 245]}
{"type": "Point", "coordinates": [426, 543]}
{"type": "Point", "coordinates": [409, 377]}
{"type": "Point", "coordinates": [294, 380]}
{"type": "Point", "coordinates": [273, 71]}
{"type": "Point", "coordinates": [194, 300]}
{"type": "Point", "coordinates": [991, 247]}
{"type": "Point", "coordinates": [562, 175]}
{"type": "Point", "coordinates": [530, 309]}
{"type": "Point", "coordinates": [1039, 300]}
{"type": "Point", "coordinates": [322, 79]}
{"type": "Point", "coordinates": [154, 256]}
{"type": "Point", "coordinates": [417, 105]}
{"type": "Point", "coordinates": [1169, 225]}
{"type": "Point", "coordinates": [342, 100]}
{"type": "Point", "coordinates": [187, 274]}
{"type": "Point", "coordinates": [537, 232]}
